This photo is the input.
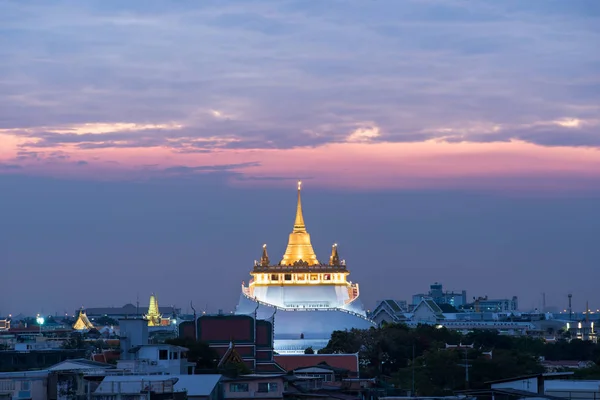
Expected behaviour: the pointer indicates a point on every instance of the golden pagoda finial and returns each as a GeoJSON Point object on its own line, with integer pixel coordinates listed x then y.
{"type": "Point", "coordinates": [299, 247]}
{"type": "Point", "coordinates": [264, 259]}
{"type": "Point", "coordinates": [299, 222]}
{"type": "Point", "coordinates": [334, 259]}
{"type": "Point", "coordinates": [153, 316]}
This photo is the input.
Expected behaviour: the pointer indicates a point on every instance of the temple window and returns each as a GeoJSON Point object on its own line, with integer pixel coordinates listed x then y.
{"type": "Point", "coordinates": [274, 277]}
{"type": "Point", "coordinates": [314, 277]}
{"type": "Point", "coordinates": [300, 277]}
{"type": "Point", "coordinates": [288, 277]}
{"type": "Point", "coordinates": [327, 277]}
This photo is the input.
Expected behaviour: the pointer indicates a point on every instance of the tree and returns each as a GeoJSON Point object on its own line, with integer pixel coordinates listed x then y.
{"type": "Point", "coordinates": [199, 352]}
{"type": "Point", "coordinates": [309, 350]}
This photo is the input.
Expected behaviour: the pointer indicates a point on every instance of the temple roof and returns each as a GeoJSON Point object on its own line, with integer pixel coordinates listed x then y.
{"type": "Point", "coordinates": [82, 323]}
{"type": "Point", "coordinates": [299, 247]}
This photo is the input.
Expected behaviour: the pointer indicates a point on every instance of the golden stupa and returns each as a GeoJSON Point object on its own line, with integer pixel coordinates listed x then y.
{"type": "Point", "coordinates": [299, 248]}
{"type": "Point", "coordinates": [153, 316]}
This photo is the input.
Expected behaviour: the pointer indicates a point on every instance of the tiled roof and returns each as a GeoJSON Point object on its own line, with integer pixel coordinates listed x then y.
{"type": "Point", "coordinates": [291, 362]}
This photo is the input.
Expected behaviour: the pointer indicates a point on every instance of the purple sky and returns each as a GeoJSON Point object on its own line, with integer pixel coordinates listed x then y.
{"type": "Point", "coordinates": [154, 147]}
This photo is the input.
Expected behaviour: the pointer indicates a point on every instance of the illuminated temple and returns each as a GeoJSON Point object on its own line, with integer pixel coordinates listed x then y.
{"type": "Point", "coordinates": [306, 299]}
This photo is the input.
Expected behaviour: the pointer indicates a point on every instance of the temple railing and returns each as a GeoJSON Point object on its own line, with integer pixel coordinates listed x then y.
{"type": "Point", "coordinates": [300, 268]}
{"type": "Point", "coordinates": [245, 291]}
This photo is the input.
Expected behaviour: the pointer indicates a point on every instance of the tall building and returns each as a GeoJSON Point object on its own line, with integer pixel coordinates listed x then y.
{"type": "Point", "coordinates": [437, 293]}
{"type": "Point", "coordinates": [306, 298]}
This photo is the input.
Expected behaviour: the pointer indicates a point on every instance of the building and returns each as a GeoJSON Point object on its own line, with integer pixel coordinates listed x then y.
{"type": "Point", "coordinates": [484, 304]}
{"type": "Point", "coordinates": [153, 316]}
{"type": "Point", "coordinates": [437, 293]}
{"type": "Point", "coordinates": [254, 387]}
{"type": "Point", "coordinates": [548, 385]}
{"type": "Point", "coordinates": [82, 323]}
{"type": "Point", "coordinates": [330, 362]}
{"type": "Point", "coordinates": [127, 311]}
{"type": "Point", "coordinates": [389, 311]}
{"type": "Point", "coordinates": [251, 338]}
{"type": "Point", "coordinates": [307, 299]}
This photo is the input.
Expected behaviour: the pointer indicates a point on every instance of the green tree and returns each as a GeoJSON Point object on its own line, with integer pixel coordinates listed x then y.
{"type": "Point", "coordinates": [198, 352]}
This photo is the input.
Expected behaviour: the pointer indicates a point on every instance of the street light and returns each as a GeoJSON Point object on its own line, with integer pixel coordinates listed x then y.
{"type": "Point", "coordinates": [40, 321]}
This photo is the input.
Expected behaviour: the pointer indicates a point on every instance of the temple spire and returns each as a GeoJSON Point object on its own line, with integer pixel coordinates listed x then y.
{"type": "Point", "coordinates": [299, 222]}
{"type": "Point", "coordinates": [299, 248]}
{"type": "Point", "coordinates": [334, 259]}
{"type": "Point", "coordinates": [153, 317]}
{"type": "Point", "coordinates": [264, 259]}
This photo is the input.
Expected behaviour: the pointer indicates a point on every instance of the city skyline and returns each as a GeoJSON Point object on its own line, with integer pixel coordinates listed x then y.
{"type": "Point", "coordinates": [156, 147]}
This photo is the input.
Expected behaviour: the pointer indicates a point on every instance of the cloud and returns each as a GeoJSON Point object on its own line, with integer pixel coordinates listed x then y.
{"type": "Point", "coordinates": [416, 71]}
{"type": "Point", "coordinates": [9, 167]}
{"type": "Point", "coordinates": [183, 169]}
{"type": "Point", "coordinates": [364, 134]}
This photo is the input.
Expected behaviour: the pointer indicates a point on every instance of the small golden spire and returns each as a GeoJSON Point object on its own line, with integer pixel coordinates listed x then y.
{"type": "Point", "coordinates": [153, 317]}
{"type": "Point", "coordinates": [264, 259]}
{"type": "Point", "coordinates": [299, 247]}
{"type": "Point", "coordinates": [335, 258]}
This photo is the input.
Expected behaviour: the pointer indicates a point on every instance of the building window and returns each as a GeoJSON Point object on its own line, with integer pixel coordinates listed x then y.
{"type": "Point", "coordinates": [327, 277]}
{"type": "Point", "coordinates": [288, 277]}
{"type": "Point", "coordinates": [238, 387]}
{"type": "Point", "coordinates": [274, 277]}
{"type": "Point", "coordinates": [314, 277]}
{"type": "Point", "coordinates": [7, 386]}
{"type": "Point", "coordinates": [300, 277]}
{"type": "Point", "coordinates": [175, 355]}
{"type": "Point", "coordinates": [264, 387]}
{"type": "Point", "coordinates": [163, 354]}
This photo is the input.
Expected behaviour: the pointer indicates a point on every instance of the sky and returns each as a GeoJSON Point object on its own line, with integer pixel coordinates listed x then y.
{"type": "Point", "coordinates": [154, 146]}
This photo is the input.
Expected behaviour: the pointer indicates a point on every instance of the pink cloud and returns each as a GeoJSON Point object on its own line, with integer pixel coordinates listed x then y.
{"type": "Point", "coordinates": [354, 165]}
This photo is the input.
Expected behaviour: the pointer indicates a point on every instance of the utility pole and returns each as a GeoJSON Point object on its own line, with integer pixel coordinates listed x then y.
{"type": "Point", "coordinates": [466, 369]}
{"type": "Point", "coordinates": [413, 370]}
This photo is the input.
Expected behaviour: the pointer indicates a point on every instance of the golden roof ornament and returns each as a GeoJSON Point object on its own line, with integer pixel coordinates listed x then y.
{"type": "Point", "coordinates": [334, 259]}
{"type": "Point", "coordinates": [153, 316]}
{"type": "Point", "coordinates": [299, 247]}
{"type": "Point", "coordinates": [264, 259]}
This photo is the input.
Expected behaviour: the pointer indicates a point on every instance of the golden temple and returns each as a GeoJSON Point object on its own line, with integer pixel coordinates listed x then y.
{"type": "Point", "coordinates": [153, 316]}
{"type": "Point", "coordinates": [299, 248]}
{"type": "Point", "coordinates": [82, 323]}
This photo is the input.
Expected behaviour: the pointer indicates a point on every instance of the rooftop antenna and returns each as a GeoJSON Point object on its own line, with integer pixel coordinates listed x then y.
{"type": "Point", "coordinates": [543, 302]}
{"type": "Point", "coordinates": [137, 304]}
{"type": "Point", "coordinates": [195, 322]}
{"type": "Point", "coordinates": [570, 308]}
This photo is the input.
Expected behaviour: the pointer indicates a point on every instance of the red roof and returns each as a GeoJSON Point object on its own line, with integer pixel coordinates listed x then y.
{"type": "Point", "coordinates": [291, 362]}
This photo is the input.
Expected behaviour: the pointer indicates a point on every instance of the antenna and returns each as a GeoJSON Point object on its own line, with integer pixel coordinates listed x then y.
{"type": "Point", "coordinates": [195, 322]}
{"type": "Point", "coordinates": [570, 307]}
{"type": "Point", "coordinates": [543, 302]}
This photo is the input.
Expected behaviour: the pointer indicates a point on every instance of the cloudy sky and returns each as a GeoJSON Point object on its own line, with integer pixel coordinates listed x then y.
{"type": "Point", "coordinates": [153, 146]}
